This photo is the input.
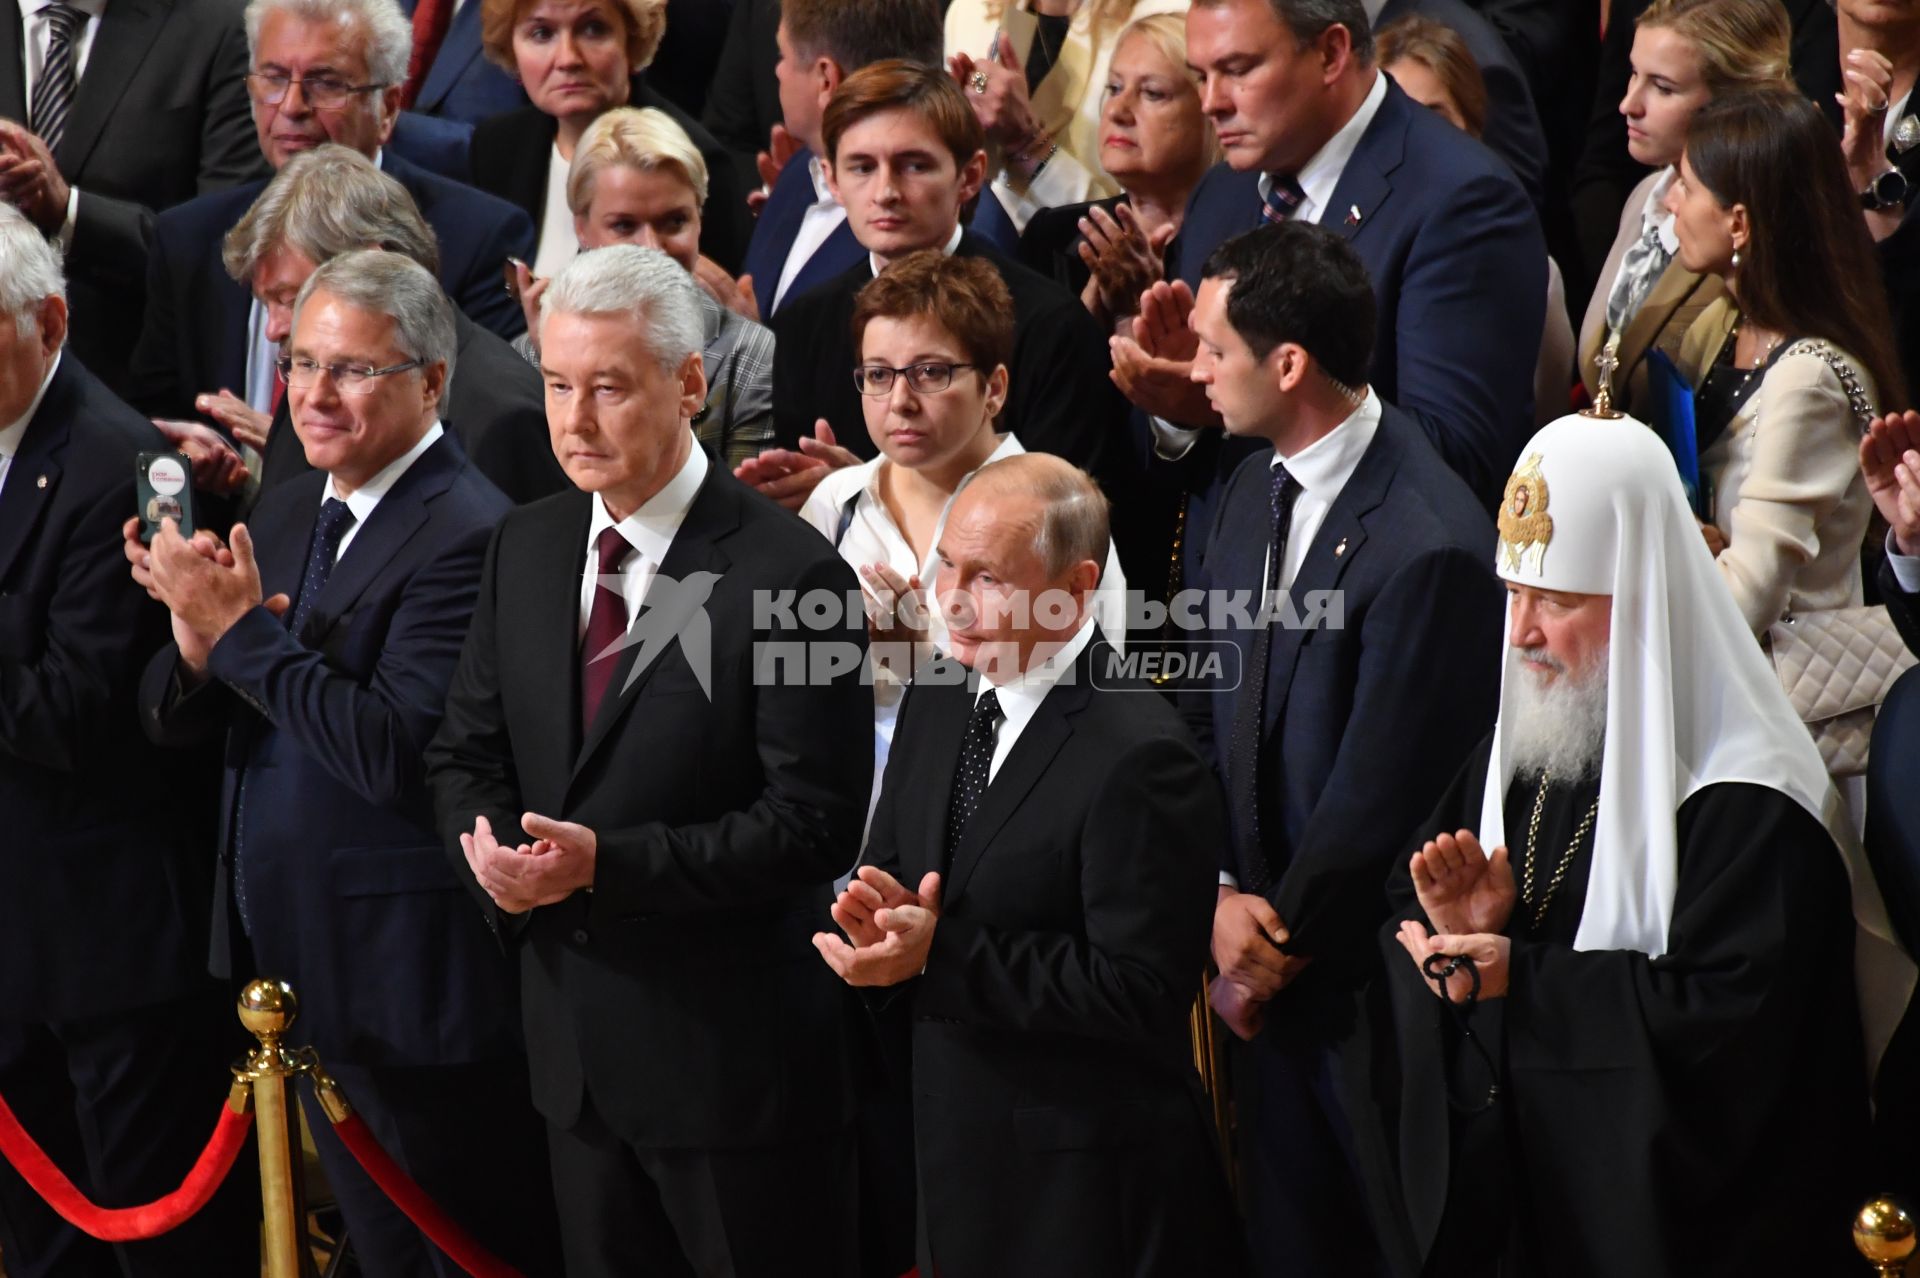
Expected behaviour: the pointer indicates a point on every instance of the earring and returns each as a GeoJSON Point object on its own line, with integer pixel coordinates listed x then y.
{"type": "Point", "coordinates": [1736, 259]}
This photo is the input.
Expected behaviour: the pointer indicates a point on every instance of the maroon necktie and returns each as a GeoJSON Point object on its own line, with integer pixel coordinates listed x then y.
{"type": "Point", "coordinates": [606, 623]}
{"type": "Point", "coordinates": [431, 18]}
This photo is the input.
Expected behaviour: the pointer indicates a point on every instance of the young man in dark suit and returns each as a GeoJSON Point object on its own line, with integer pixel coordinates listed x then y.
{"type": "Point", "coordinates": [1314, 132]}
{"type": "Point", "coordinates": [906, 154]}
{"type": "Point", "coordinates": [1034, 901]}
{"type": "Point", "coordinates": [320, 645]}
{"type": "Point", "coordinates": [131, 109]}
{"type": "Point", "coordinates": [113, 1042]}
{"type": "Point", "coordinates": [1368, 565]}
{"type": "Point", "coordinates": [201, 332]}
{"type": "Point", "coordinates": [650, 799]}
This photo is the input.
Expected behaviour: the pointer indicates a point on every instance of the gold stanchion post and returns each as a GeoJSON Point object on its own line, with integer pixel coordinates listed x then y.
{"type": "Point", "coordinates": [1883, 1233]}
{"type": "Point", "coordinates": [267, 1009]}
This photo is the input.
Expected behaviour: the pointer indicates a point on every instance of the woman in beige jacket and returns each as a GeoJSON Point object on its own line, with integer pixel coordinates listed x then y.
{"type": "Point", "coordinates": [1685, 54]}
{"type": "Point", "coordinates": [1794, 359]}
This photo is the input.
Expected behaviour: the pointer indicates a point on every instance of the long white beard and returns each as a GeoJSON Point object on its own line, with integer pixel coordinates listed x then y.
{"type": "Point", "coordinates": [1559, 726]}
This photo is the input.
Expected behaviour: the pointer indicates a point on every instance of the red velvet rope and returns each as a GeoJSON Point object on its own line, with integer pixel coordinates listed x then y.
{"type": "Point", "coordinates": [421, 1210]}
{"type": "Point", "coordinates": [125, 1224]}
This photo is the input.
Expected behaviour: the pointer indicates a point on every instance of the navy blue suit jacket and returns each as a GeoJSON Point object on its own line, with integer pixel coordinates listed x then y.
{"type": "Point", "coordinates": [194, 337]}
{"type": "Point", "coordinates": [461, 84]}
{"type": "Point", "coordinates": [103, 903]}
{"type": "Point", "coordinates": [349, 893]}
{"type": "Point", "coordinates": [1459, 273]}
{"type": "Point", "coordinates": [1366, 717]}
{"type": "Point", "coordinates": [773, 233]}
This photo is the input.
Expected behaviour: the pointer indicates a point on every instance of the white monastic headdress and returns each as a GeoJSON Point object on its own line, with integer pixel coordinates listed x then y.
{"type": "Point", "coordinates": [1596, 507]}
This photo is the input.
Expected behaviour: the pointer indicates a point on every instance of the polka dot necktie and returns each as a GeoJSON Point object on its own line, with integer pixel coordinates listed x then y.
{"type": "Point", "coordinates": [976, 764]}
{"type": "Point", "coordinates": [1250, 710]}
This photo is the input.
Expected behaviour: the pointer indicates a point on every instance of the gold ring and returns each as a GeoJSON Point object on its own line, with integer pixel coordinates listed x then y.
{"type": "Point", "coordinates": [978, 83]}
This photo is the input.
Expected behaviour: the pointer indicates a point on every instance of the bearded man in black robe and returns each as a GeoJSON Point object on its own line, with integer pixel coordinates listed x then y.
{"type": "Point", "coordinates": [1628, 968]}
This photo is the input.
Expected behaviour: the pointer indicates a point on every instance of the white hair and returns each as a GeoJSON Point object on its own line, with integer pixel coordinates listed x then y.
{"type": "Point", "coordinates": [642, 282]}
{"type": "Point", "coordinates": [398, 287]}
{"type": "Point", "coordinates": [389, 34]}
{"type": "Point", "coordinates": [29, 270]}
{"type": "Point", "coordinates": [1558, 726]}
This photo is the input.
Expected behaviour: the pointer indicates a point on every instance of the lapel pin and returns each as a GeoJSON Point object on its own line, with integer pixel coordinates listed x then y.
{"type": "Point", "coordinates": [1353, 215]}
{"type": "Point", "coordinates": [1340, 549]}
{"type": "Point", "coordinates": [41, 482]}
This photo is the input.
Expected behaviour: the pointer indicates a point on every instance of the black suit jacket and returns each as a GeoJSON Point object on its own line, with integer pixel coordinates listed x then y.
{"type": "Point", "coordinates": [1058, 1118]}
{"type": "Point", "coordinates": [1051, 243]}
{"type": "Point", "coordinates": [104, 907]}
{"type": "Point", "coordinates": [495, 406]}
{"type": "Point", "coordinates": [1059, 399]}
{"type": "Point", "coordinates": [742, 114]}
{"type": "Point", "coordinates": [683, 993]}
{"type": "Point", "coordinates": [194, 336]}
{"type": "Point", "coordinates": [348, 894]}
{"type": "Point", "coordinates": [159, 116]}
{"type": "Point", "coordinates": [1362, 718]}
{"type": "Point", "coordinates": [511, 152]}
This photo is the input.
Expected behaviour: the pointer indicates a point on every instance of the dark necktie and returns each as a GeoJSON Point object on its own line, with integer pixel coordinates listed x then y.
{"type": "Point", "coordinates": [328, 530]}
{"type": "Point", "coordinates": [976, 765]}
{"type": "Point", "coordinates": [1282, 199]}
{"type": "Point", "coordinates": [606, 624]}
{"type": "Point", "coordinates": [431, 18]}
{"type": "Point", "coordinates": [53, 91]}
{"type": "Point", "coordinates": [1250, 710]}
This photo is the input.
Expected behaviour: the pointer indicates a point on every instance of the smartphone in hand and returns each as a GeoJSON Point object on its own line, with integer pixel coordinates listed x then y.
{"type": "Point", "coordinates": [163, 489]}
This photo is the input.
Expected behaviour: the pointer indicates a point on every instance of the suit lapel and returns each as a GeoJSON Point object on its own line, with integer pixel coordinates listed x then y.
{"type": "Point", "coordinates": [834, 258]}
{"type": "Point", "coordinates": [1022, 769]}
{"type": "Point", "coordinates": [1335, 546]}
{"type": "Point", "coordinates": [1669, 293]}
{"type": "Point", "coordinates": [33, 476]}
{"type": "Point", "coordinates": [281, 544]}
{"type": "Point", "coordinates": [456, 53]}
{"type": "Point", "coordinates": [946, 707]}
{"type": "Point", "coordinates": [665, 612]}
{"type": "Point", "coordinates": [1365, 184]}
{"type": "Point", "coordinates": [397, 517]}
{"type": "Point", "coordinates": [13, 78]}
{"type": "Point", "coordinates": [127, 33]}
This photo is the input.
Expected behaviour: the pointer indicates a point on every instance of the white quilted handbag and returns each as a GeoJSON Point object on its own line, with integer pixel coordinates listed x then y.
{"type": "Point", "coordinates": [1837, 666]}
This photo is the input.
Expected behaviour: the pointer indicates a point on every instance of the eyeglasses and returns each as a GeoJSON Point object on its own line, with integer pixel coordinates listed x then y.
{"type": "Point", "coordinates": [349, 379]}
{"type": "Point", "coordinates": [322, 92]}
{"type": "Point", "coordinates": [877, 379]}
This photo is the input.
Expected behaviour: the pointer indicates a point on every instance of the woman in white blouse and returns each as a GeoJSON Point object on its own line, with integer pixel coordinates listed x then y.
{"type": "Point", "coordinates": [1686, 53]}
{"type": "Point", "coordinates": [1036, 74]}
{"type": "Point", "coordinates": [934, 335]}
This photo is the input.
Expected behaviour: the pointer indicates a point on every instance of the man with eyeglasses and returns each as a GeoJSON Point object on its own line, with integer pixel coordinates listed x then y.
{"type": "Point", "coordinates": [110, 113]}
{"type": "Point", "coordinates": [322, 71]}
{"type": "Point", "coordinates": [320, 641]}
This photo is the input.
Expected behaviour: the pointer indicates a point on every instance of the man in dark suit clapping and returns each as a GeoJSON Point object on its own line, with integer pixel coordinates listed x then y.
{"type": "Point", "coordinates": [1054, 821]}
{"type": "Point", "coordinates": [320, 644]}
{"type": "Point", "coordinates": [1370, 564]}
{"type": "Point", "coordinates": [650, 804]}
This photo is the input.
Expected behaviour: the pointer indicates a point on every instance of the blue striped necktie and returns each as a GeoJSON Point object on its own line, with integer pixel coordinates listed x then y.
{"type": "Point", "coordinates": [53, 91]}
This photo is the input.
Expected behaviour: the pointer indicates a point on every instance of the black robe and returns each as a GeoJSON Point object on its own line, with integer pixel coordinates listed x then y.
{"type": "Point", "coordinates": [1698, 1114]}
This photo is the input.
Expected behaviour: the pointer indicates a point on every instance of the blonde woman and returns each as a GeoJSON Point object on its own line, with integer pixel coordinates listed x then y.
{"type": "Point", "coordinates": [1686, 53]}
{"type": "Point", "coordinates": [637, 178]}
{"type": "Point", "coordinates": [578, 59]}
{"type": "Point", "coordinates": [1036, 74]}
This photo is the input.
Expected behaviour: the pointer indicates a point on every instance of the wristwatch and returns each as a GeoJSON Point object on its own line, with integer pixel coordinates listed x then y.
{"type": "Point", "coordinates": [1890, 190]}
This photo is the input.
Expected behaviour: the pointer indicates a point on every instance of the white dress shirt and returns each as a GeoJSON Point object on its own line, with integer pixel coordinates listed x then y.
{"type": "Point", "coordinates": [649, 530]}
{"type": "Point", "coordinates": [1020, 698]}
{"type": "Point", "coordinates": [822, 218]}
{"type": "Point", "coordinates": [1317, 178]}
{"type": "Point", "coordinates": [1322, 469]}
{"type": "Point", "coordinates": [38, 30]}
{"type": "Point", "coordinates": [558, 244]}
{"type": "Point", "coordinates": [368, 495]}
{"type": "Point", "coordinates": [1906, 568]}
{"type": "Point", "coordinates": [16, 430]}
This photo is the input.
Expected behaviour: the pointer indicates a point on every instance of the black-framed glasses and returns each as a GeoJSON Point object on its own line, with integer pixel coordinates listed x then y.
{"type": "Point", "coordinates": [927, 379]}
{"type": "Point", "coordinates": [322, 92]}
{"type": "Point", "coordinates": [349, 379]}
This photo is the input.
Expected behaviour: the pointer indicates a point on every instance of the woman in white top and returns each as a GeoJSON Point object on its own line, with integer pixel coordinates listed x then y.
{"type": "Point", "coordinates": [1036, 74]}
{"type": "Point", "coordinates": [1686, 53]}
{"type": "Point", "coordinates": [1788, 365]}
{"type": "Point", "coordinates": [934, 335]}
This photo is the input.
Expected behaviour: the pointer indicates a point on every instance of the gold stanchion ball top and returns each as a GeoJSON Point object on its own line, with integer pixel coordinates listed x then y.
{"type": "Point", "coordinates": [267, 1008]}
{"type": "Point", "coordinates": [1883, 1231]}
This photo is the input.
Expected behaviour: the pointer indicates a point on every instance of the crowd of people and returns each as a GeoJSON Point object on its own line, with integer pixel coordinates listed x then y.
{"type": "Point", "coordinates": [777, 611]}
